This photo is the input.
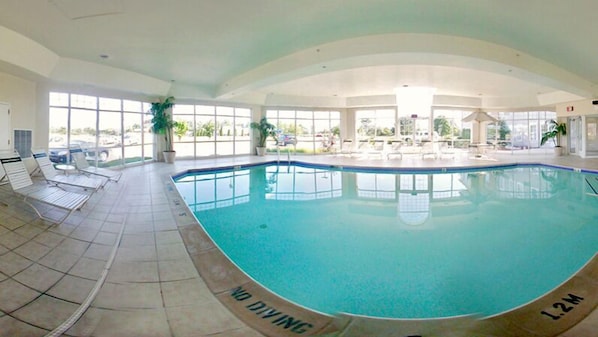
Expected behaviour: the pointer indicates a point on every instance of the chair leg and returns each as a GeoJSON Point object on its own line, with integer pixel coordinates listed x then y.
{"type": "Point", "coordinates": [69, 212]}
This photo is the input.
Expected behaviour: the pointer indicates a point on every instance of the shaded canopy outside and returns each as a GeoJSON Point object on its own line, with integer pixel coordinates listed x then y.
{"type": "Point", "coordinates": [479, 116]}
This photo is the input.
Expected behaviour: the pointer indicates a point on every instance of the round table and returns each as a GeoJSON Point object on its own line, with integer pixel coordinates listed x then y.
{"type": "Point", "coordinates": [66, 168]}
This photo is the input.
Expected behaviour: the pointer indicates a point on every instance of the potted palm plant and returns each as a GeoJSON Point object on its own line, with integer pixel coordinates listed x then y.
{"type": "Point", "coordinates": [264, 130]}
{"type": "Point", "coordinates": [162, 124]}
{"type": "Point", "coordinates": [555, 130]}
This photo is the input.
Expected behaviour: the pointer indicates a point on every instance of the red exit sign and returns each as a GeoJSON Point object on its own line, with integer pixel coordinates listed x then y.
{"type": "Point", "coordinates": [570, 108]}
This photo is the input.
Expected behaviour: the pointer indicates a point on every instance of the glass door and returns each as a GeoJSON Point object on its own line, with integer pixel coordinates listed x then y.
{"type": "Point", "coordinates": [574, 135]}
{"type": "Point", "coordinates": [591, 136]}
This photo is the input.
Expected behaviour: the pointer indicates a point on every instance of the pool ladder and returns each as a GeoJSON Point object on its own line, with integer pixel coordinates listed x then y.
{"type": "Point", "coordinates": [288, 154]}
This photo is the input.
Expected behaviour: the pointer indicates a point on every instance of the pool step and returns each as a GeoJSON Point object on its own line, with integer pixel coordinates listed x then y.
{"type": "Point", "coordinates": [593, 183]}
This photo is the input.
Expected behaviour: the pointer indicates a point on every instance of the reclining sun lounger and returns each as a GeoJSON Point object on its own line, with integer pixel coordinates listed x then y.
{"type": "Point", "coordinates": [429, 149]}
{"type": "Point", "coordinates": [346, 147]}
{"type": "Point", "coordinates": [3, 176]}
{"type": "Point", "coordinates": [395, 149]}
{"type": "Point", "coordinates": [23, 186]}
{"type": "Point", "coordinates": [83, 166]}
{"type": "Point", "coordinates": [53, 177]}
{"type": "Point", "coordinates": [376, 148]}
{"type": "Point", "coordinates": [362, 147]}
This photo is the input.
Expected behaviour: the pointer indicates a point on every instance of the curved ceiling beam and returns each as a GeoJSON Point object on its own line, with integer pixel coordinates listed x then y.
{"type": "Point", "coordinates": [24, 53]}
{"type": "Point", "coordinates": [399, 49]}
{"type": "Point", "coordinates": [25, 56]}
{"type": "Point", "coordinates": [76, 71]}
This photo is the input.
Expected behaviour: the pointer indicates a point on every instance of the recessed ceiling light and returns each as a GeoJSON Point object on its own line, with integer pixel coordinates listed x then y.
{"type": "Point", "coordinates": [104, 56]}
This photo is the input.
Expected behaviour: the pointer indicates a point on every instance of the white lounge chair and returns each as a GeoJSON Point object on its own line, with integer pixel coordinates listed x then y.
{"type": "Point", "coordinates": [3, 176]}
{"type": "Point", "coordinates": [346, 147]}
{"type": "Point", "coordinates": [363, 146]}
{"type": "Point", "coordinates": [446, 151]}
{"type": "Point", "coordinates": [429, 149]}
{"type": "Point", "coordinates": [395, 149]}
{"type": "Point", "coordinates": [53, 177]}
{"type": "Point", "coordinates": [376, 148]}
{"type": "Point", "coordinates": [83, 166]}
{"type": "Point", "coordinates": [23, 186]}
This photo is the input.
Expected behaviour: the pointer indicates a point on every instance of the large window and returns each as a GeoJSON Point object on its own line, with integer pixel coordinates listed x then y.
{"type": "Point", "coordinates": [305, 131]}
{"type": "Point", "coordinates": [137, 138]}
{"type": "Point", "coordinates": [114, 131]}
{"type": "Point", "coordinates": [207, 131]}
{"type": "Point", "coordinates": [109, 131]}
{"type": "Point", "coordinates": [375, 123]}
{"type": "Point", "coordinates": [449, 126]}
{"type": "Point", "coordinates": [522, 130]}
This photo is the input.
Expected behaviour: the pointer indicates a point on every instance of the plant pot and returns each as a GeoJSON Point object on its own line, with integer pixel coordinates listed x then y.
{"type": "Point", "coordinates": [261, 151]}
{"type": "Point", "coordinates": [169, 156]}
{"type": "Point", "coordinates": [558, 151]}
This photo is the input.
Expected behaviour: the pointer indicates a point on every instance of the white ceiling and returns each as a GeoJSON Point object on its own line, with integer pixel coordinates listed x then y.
{"type": "Point", "coordinates": [254, 50]}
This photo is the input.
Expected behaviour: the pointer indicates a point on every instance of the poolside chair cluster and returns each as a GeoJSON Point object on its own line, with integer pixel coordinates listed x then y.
{"type": "Point", "coordinates": [392, 149]}
{"type": "Point", "coordinates": [53, 193]}
{"type": "Point", "coordinates": [52, 176]}
{"type": "Point", "coordinates": [83, 166]}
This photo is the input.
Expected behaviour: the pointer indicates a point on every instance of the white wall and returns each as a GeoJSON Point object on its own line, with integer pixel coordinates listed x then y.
{"type": "Point", "coordinates": [576, 108]}
{"type": "Point", "coordinates": [21, 95]}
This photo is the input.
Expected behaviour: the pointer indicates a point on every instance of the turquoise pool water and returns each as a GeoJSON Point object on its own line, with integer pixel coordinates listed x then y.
{"type": "Point", "coordinates": [400, 244]}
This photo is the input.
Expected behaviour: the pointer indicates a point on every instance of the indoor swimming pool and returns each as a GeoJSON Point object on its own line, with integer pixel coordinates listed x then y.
{"type": "Point", "coordinates": [400, 244]}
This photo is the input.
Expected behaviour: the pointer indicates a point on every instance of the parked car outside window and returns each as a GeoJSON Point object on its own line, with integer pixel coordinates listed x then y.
{"type": "Point", "coordinates": [284, 140]}
{"type": "Point", "coordinates": [60, 155]}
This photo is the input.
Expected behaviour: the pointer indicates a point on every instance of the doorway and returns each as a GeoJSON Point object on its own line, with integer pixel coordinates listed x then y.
{"type": "Point", "coordinates": [574, 138]}
{"type": "Point", "coordinates": [592, 136]}
{"type": "Point", "coordinates": [5, 127]}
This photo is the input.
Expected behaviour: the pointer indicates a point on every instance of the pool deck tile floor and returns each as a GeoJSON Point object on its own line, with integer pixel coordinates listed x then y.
{"type": "Point", "coordinates": [120, 267]}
